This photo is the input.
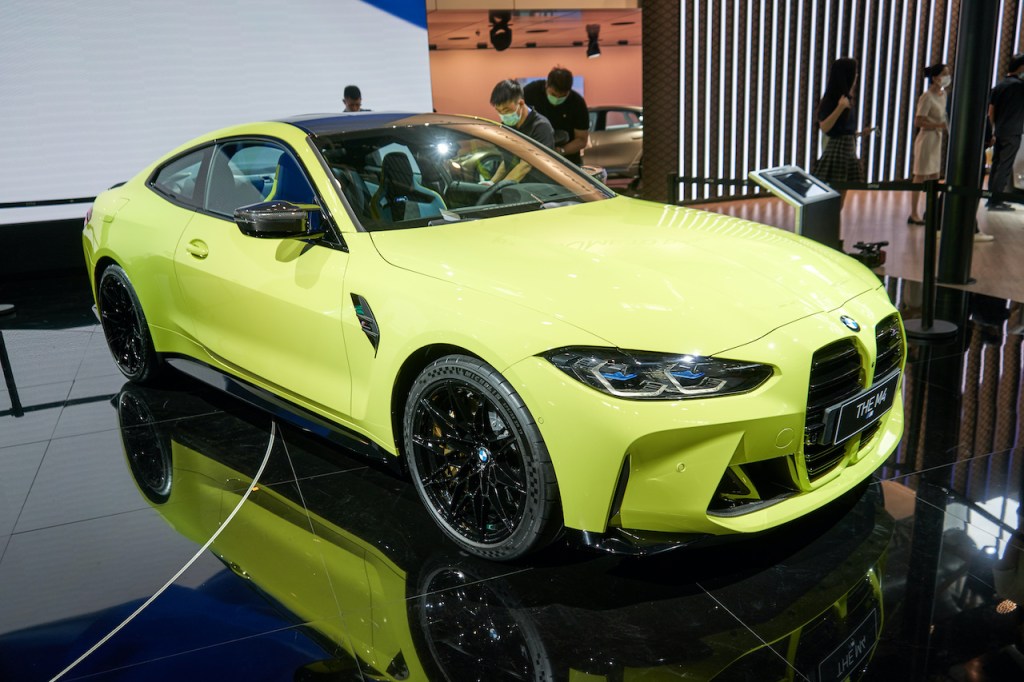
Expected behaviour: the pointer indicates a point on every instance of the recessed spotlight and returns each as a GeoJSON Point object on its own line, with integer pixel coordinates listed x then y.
{"type": "Point", "coordinates": [501, 32]}
{"type": "Point", "coordinates": [593, 48]}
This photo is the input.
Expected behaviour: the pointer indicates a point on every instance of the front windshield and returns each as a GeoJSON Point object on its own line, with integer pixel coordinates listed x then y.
{"type": "Point", "coordinates": [414, 176]}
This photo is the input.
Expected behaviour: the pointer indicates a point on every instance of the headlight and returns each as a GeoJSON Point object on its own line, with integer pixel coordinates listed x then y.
{"type": "Point", "coordinates": [654, 376]}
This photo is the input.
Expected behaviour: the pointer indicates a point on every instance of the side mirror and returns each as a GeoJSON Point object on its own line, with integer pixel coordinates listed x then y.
{"type": "Point", "coordinates": [274, 220]}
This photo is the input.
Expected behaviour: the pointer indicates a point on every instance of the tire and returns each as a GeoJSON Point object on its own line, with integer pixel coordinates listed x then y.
{"type": "Point", "coordinates": [125, 327]}
{"type": "Point", "coordinates": [478, 461]}
{"type": "Point", "coordinates": [474, 628]}
{"type": "Point", "coordinates": [146, 447]}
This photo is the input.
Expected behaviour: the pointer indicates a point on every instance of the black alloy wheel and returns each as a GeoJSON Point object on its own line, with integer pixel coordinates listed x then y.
{"type": "Point", "coordinates": [475, 629]}
{"type": "Point", "coordinates": [147, 449]}
{"type": "Point", "coordinates": [478, 460]}
{"type": "Point", "coordinates": [125, 327]}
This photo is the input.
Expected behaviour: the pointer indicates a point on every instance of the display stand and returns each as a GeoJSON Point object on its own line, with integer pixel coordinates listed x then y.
{"type": "Point", "coordinates": [817, 205]}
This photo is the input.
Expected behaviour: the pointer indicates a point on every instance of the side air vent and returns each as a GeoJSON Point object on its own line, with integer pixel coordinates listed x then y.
{"type": "Point", "coordinates": [367, 321]}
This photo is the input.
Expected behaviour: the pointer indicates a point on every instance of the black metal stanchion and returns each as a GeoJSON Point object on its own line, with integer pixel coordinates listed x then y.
{"type": "Point", "coordinates": [6, 310]}
{"type": "Point", "coordinates": [928, 328]}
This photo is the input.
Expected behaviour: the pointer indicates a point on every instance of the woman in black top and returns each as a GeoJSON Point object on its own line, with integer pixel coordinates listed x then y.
{"type": "Point", "coordinates": [835, 116]}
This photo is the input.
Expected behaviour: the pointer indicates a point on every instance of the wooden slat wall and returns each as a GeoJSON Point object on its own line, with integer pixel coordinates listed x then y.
{"type": "Point", "coordinates": [751, 73]}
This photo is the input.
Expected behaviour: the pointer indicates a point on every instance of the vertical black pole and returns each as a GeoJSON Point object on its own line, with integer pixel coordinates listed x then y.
{"type": "Point", "coordinates": [928, 329]}
{"type": "Point", "coordinates": [12, 388]}
{"type": "Point", "coordinates": [931, 207]}
{"type": "Point", "coordinates": [972, 75]}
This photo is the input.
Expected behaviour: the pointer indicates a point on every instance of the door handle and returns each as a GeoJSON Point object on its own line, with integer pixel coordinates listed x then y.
{"type": "Point", "coordinates": [198, 248]}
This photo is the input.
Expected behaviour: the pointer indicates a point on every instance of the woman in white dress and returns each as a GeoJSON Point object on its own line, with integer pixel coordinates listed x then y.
{"type": "Point", "coordinates": [932, 125]}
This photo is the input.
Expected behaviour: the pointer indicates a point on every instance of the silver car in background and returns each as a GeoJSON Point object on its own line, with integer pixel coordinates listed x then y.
{"type": "Point", "coordinates": [616, 140]}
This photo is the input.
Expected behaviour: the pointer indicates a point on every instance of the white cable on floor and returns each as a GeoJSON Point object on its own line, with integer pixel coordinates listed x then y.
{"type": "Point", "coordinates": [195, 557]}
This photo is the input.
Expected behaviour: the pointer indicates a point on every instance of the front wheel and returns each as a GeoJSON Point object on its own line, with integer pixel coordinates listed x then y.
{"type": "Point", "coordinates": [125, 326]}
{"type": "Point", "coordinates": [478, 460]}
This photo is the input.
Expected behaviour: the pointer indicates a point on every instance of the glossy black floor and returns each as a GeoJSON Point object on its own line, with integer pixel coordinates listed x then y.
{"type": "Point", "coordinates": [327, 568]}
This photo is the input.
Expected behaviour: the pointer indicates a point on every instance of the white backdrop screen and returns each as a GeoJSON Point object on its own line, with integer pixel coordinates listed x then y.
{"type": "Point", "coordinates": [92, 92]}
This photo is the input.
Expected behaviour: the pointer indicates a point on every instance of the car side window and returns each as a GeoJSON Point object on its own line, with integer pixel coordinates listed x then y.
{"type": "Point", "coordinates": [178, 178]}
{"type": "Point", "coordinates": [622, 119]}
{"type": "Point", "coordinates": [254, 171]}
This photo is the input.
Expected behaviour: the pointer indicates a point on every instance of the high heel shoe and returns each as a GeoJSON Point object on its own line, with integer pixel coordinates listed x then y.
{"type": "Point", "coordinates": [912, 221]}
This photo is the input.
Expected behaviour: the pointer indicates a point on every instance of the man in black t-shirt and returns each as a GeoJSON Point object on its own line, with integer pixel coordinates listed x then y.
{"type": "Point", "coordinates": [564, 107]}
{"type": "Point", "coordinates": [507, 100]}
{"type": "Point", "coordinates": [1006, 114]}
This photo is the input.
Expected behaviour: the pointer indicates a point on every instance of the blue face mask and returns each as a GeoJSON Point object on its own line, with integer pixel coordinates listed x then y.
{"type": "Point", "coordinates": [510, 119]}
{"type": "Point", "coordinates": [555, 101]}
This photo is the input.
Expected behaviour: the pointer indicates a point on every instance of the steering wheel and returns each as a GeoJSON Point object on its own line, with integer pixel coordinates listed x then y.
{"type": "Point", "coordinates": [485, 198]}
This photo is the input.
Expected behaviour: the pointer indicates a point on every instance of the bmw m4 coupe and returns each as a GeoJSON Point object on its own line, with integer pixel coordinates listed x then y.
{"type": "Point", "coordinates": [541, 355]}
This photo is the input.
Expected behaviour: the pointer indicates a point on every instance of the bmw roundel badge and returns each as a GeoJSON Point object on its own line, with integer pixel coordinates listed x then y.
{"type": "Point", "coordinates": [850, 323]}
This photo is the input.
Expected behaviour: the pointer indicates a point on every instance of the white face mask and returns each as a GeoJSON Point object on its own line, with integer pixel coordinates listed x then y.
{"type": "Point", "coordinates": [943, 81]}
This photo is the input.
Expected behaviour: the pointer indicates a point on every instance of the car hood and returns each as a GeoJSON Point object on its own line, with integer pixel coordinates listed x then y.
{"type": "Point", "coordinates": [638, 274]}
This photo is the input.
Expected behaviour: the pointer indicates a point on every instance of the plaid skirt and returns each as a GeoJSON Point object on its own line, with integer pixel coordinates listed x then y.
{"type": "Point", "coordinates": [839, 162]}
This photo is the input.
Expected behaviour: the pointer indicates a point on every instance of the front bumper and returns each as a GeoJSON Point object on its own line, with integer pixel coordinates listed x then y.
{"type": "Point", "coordinates": [667, 466]}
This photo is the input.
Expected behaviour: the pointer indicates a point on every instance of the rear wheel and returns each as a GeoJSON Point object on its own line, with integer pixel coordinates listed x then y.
{"type": "Point", "coordinates": [478, 460]}
{"type": "Point", "coordinates": [125, 326]}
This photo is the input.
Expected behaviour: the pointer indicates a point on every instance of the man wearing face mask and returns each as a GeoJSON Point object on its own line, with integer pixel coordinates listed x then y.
{"type": "Point", "coordinates": [507, 100]}
{"type": "Point", "coordinates": [1006, 113]}
{"type": "Point", "coordinates": [564, 107]}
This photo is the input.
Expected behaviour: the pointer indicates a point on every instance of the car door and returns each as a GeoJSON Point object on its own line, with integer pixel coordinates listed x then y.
{"type": "Point", "coordinates": [269, 307]}
{"type": "Point", "coordinates": [616, 141]}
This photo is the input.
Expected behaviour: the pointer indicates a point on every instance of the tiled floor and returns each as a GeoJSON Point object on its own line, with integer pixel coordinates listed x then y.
{"type": "Point", "coordinates": [277, 556]}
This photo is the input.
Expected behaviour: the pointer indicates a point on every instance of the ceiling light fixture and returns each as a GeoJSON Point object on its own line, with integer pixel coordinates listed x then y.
{"type": "Point", "coordinates": [593, 49]}
{"type": "Point", "coordinates": [501, 32]}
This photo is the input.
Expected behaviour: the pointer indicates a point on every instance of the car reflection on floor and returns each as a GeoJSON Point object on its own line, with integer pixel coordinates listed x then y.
{"type": "Point", "coordinates": [350, 554]}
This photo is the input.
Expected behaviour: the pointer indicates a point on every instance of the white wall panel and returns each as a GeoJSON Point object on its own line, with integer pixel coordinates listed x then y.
{"type": "Point", "coordinates": [91, 92]}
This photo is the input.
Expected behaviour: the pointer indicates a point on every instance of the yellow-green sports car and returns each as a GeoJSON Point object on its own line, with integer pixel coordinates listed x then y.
{"type": "Point", "coordinates": [541, 354]}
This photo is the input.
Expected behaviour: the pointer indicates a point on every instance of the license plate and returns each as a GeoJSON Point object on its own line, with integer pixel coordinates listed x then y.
{"type": "Point", "coordinates": [851, 654]}
{"type": "Point", "coordinates": [848, 418]}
